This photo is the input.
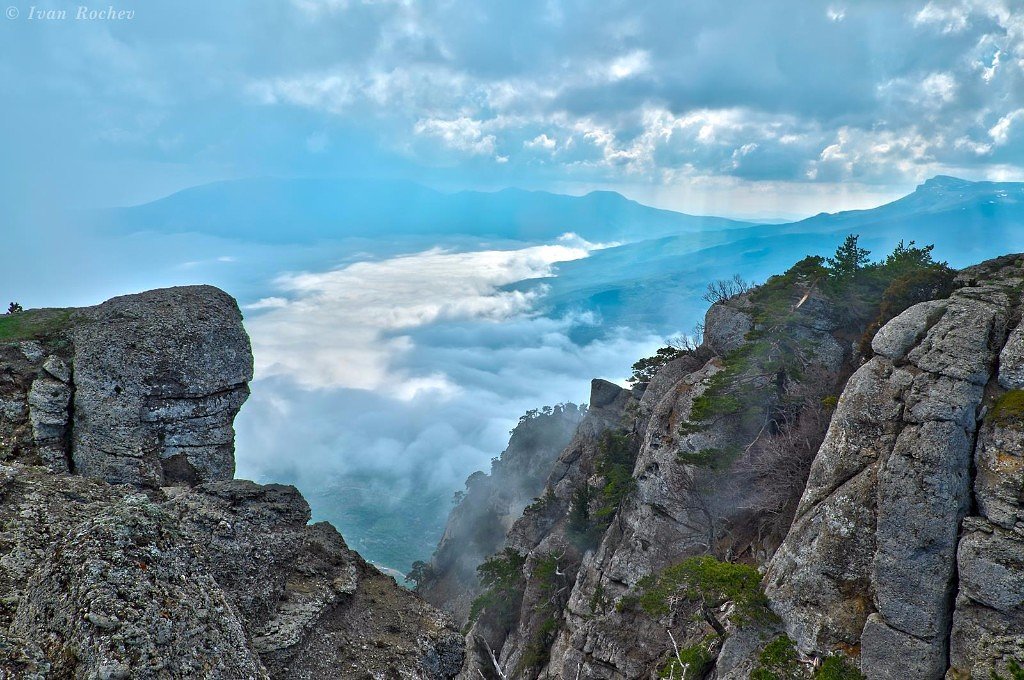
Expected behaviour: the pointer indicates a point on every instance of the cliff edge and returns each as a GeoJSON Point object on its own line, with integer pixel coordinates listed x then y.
{"type": "Point", "coordinates": [126, 548]}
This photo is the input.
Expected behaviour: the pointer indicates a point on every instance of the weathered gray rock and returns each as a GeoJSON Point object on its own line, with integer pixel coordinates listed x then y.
{"type": "Point", "coordinates": [223, 580]}
{"type": "Point", "coordinates": [891, 654]}
{"type": "Point", "coordinates": [988, 623]}
{"type": "Point", "coordinates": [159, 578]}
{"type": "Point", "coordinates": [899, 336]}
{"type": "Point", "coordinates": [22, 660]}
{"type": "Point", "coordinates": [120, 597]}
{"type": "Point", "coordinates": [312, 607]}
{"type": "Point", "coordinates": [726, 326]}
{"type": "Point", "coordinates": [871, 560]}
{"type": "Point", "coordinates": [155, 379]}
{"type": "Point", "coordinates": [478, 524]}
{"type": "Point", "coordinates": [159, 377]}
{"type": "Point", "coordinates": [988, 626]}
{"type": "Point", "coordinates": [923, 494]}
{"type": "Point", "coordinates": [49, 402]}
{"type": "Point", "coordinates": [673, 510]}
{"type": "Point", "coordinates": [1011, 361]}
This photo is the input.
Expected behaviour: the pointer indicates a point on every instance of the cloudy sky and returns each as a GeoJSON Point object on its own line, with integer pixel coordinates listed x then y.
{"type": "Point", "coordinates": [755, 108]}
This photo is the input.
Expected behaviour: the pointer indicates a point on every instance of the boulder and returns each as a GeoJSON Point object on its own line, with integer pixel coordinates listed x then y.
{"type": "Point", "coordinates": [158, 379]}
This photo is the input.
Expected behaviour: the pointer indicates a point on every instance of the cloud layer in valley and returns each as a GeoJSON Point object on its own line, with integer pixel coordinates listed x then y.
{"type": "Point", "coordinates": [382, 384]}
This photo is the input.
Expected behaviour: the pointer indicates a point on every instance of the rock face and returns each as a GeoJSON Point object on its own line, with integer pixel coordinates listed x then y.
{"type": "Point", "coordinates": [880, 558]}
{"type": "Point", "coordinates": [642, 487]}
{"type": "Point", "coordinates": [889, 526]}
{"type": "Point", "coordinates": [477, 526]}
{"type": "Point", "coordinates": [158, 380]}
{"type": "Point", "coordinates": [182, 572]}
{"type": "Point", "coordinates": [142, 389]}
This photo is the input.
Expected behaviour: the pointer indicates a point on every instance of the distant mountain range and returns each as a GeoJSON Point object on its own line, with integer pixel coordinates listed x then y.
{"type": "Point", "coordinates": [652, 279]}
{"type": "Point", "coordinates": [302, 210]}
{"type": "Point", "coordinates": [656, 283]}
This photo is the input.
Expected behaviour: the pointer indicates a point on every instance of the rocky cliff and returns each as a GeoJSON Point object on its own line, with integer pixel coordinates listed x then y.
{"type": "Point", "coordinates": [479, 522]}
{"type": "Point", "coordinates": [829, 486]}
{"type": "Point", "coordinates": [126, 548]}
{"type": "Point", "coordinates": [907, 544]}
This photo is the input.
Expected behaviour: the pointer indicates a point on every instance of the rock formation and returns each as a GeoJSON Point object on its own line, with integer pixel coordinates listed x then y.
{"type": "Point", "coordinates": [142, 389]}
{"type": "Point", "coordinates": [879, 496]}
{"type": "Point", "coordinates": [828, 487]}
{"type": "Point", "coordinates": [127, 551]}
{"type": "Point", "coordinates": [926, 434]}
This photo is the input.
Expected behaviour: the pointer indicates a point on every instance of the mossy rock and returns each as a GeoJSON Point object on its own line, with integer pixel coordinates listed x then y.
{"type": "Point", "coordinates": [1008, 408]}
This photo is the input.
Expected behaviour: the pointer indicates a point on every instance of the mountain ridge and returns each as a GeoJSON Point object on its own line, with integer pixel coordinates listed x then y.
{"type": "Point", "coordinates": [259, 208]}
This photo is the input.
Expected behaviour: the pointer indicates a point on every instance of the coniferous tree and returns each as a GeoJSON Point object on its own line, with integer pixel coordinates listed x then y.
{"type": "Point", "coordinates": [850, 258]}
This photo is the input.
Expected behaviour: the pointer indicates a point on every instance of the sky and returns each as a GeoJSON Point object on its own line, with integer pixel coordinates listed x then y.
{"type": "Point", "coordinates": [397, 368]}
{"type": "Point", "coordinates": [755, 109]}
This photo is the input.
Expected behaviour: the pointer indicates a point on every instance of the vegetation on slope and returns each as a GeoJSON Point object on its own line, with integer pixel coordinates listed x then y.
{"type": "Point", "coordinates": [593, 508]}
{"type": "Point", "coordinates": [502, 578]}
{"type": "Point", "coordinates": [33, 324]}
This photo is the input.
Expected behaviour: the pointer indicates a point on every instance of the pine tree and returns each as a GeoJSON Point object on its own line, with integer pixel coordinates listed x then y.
{"type": "Point", "coordinates": [850, 258]}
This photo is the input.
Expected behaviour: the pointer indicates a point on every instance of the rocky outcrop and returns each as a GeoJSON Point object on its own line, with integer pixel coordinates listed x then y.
{"type": "Point", "coordinates": [880, 496]}
{"type": "Point", "coordinates": [540, 532]}
{"type": "Point", "coordinates": [477, 525]}
{"type": "Point", "coordinates": [142, 389]}
{"type": "Point", "coordinates": [182, 572]}
{"type": "Point", "coordinates": [158, 380]}
{"type": "Point", "coordinates": [224, 580]}
{"type": "Point", "coordinates": [647, 482]}
{"type": "Point", "coordinates": [905, 547]}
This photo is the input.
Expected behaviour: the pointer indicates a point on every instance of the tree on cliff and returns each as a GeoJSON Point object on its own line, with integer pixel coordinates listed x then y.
{"type": "Point", "coordinates": [14, 308]}
{"type": "Point", "coordinates": [850, 258]}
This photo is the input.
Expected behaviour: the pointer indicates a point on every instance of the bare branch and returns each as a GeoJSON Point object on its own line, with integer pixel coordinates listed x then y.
{"type": "Point", "coordinates": [727, 289]}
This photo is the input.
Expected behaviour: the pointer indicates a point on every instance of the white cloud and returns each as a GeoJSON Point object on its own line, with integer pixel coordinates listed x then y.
{"type": "Point", "coordinates": [977, 148]}
{"type": "Point", "coordinates": [346, 327]}
{"type": "Point", "coordinates": [950, 18]}
{"type": "Point", "coordinates": [1000, 132]}
{"type": "Point", "coordinates": [541, 141]}
{"type": "Point", "coordinates": [624, 102]}
{"type": "Point", "coordinates": [464, 134]}
{"type": "Point", "coordinates": [932, 90]}
{"type": "Point", "coordinates": [629, 65]}
{"type": "Point", "coordinates": [939, 87]}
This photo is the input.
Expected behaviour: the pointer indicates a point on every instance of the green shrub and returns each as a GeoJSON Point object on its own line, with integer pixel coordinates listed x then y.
{"type": "Point", "coordinates": [712, 458]}
{"type": "Point", "coordinates": [537, 651]}
{"type": "Point", "coordinates": [838, 668]}
{"type": "Point", "coordinates": [779, 661]}
{"type": "Point", "coordinates": [644, 369]}
{"type": "Point", "coordinates": [541, 503]}
{"type": "Point", "coordinates": [707, 581]}
{"type": "Point", "coordinates": [549, 584]}
{"type": "Point", "coordinates": [502, 578]}
{"type": "Point", "coordinates": [615, 461]}
{"type": "Point", "coordinates": [1008, 408]}
{"type": "Point", "coordinates": [599, 601]}
{"type": "Point", "coordinates": [1015, 670]}
{"type": "Point", "coordinates": [420, 573]}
